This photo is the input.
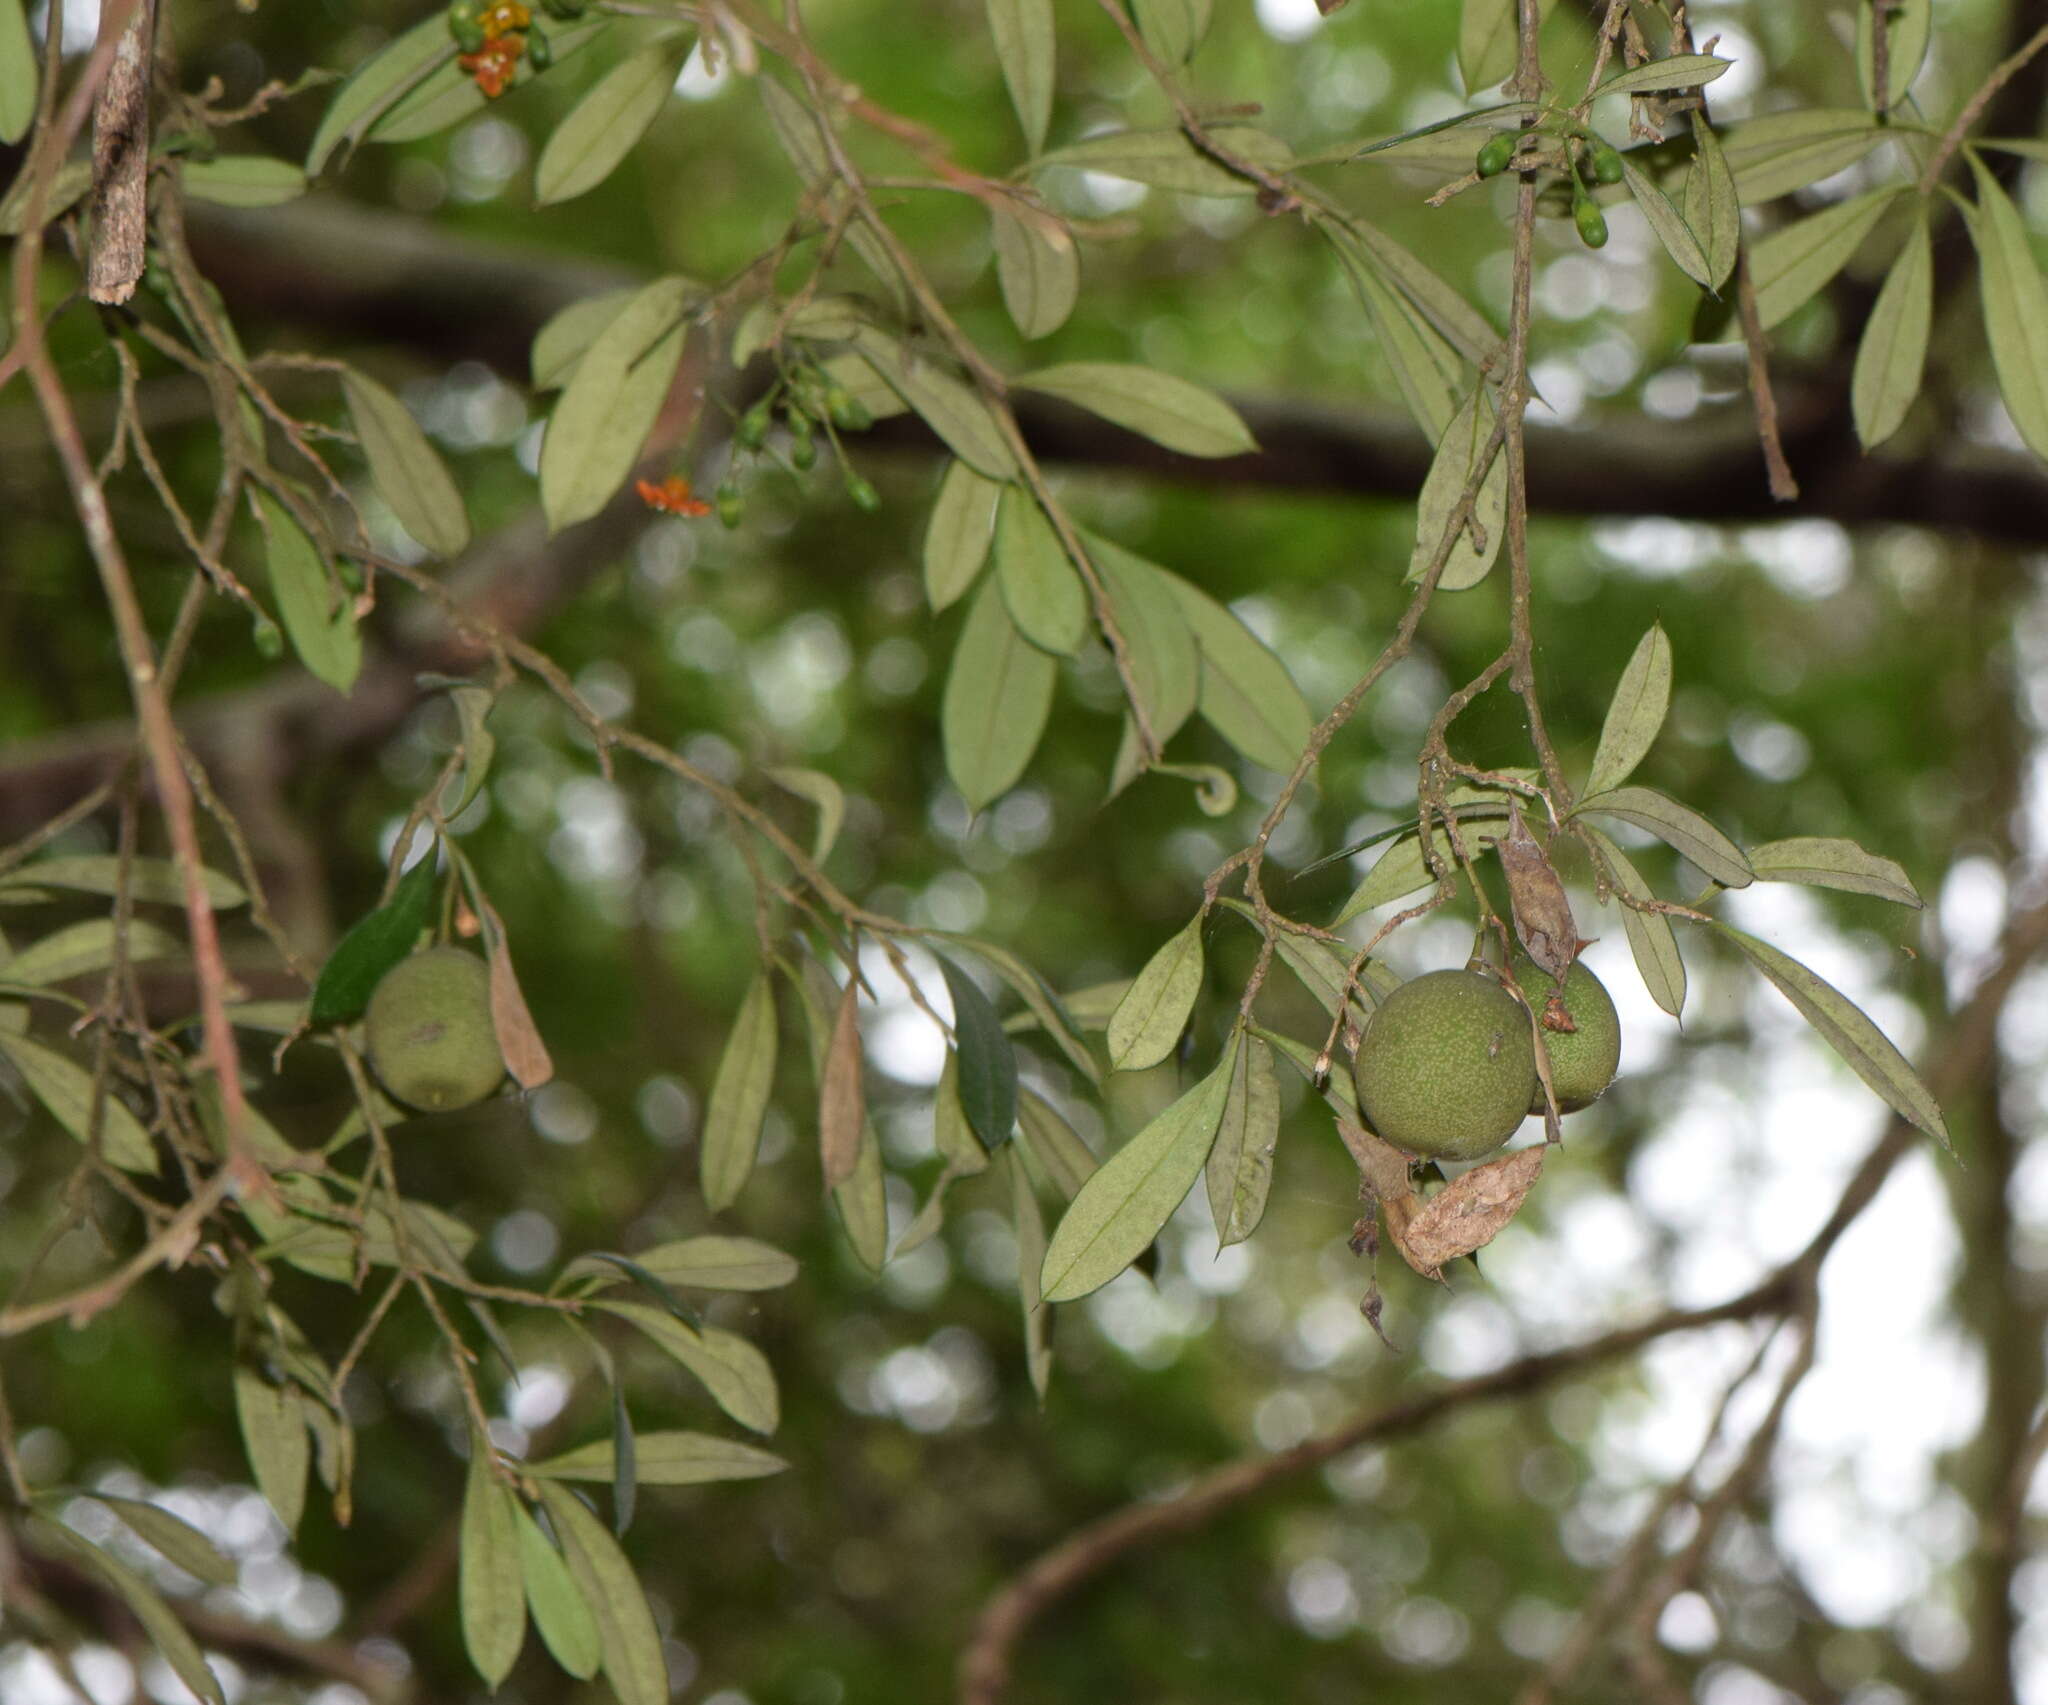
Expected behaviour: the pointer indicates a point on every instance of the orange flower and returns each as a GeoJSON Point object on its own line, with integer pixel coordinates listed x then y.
{"type": "Point", "coordinates": [505, 18]}
{"type": "Point", "coordinates": [493, 65]}
{"type": "Point", "coordinates": [671, 496]}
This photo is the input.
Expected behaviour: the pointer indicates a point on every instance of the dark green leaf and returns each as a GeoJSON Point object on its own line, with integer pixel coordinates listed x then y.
{"type": "Point", "coordinates": [376, 943]}
{"type": "Point", "coordinates": [988, 1064]}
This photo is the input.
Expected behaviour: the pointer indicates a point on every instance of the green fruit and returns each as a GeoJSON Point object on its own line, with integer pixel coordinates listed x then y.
{"type": "Point", "coordinates": [1446, 1066]}
{"type": "Point", "coordinates": [1582, 1061]}
{"type": "Point", "coordinates": [732, 504]}
{"type": "Point", "coordinates": [540, 52]}
{"type": "Point", "coordinates": [752, 431]}
{"type": "Point", "coordinates": [1592, 223]}
{"type": "Point", "coordinates": [464, 27]}
{"type": "Point", "coordinates": [430, 1035]}
{"type": "Point", "coordinates": [863, 494]}
{"type": "Point", "coordinates": [1605, 162]}
{"type": "Point", "coordinates": [1494, 155]}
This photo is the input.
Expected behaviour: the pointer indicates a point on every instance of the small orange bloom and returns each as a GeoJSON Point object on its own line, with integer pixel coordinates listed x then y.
{"type": "Point", "coordinates": [506, 18]}
{"type": "Point", "coordinates": [493, 65]}
{"type": "Point", "coordinates": [671, 496]}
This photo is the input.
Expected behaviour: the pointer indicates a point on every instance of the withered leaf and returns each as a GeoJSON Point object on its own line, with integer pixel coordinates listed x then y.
{"type": "Point", "coordinates": [1467, 1214]}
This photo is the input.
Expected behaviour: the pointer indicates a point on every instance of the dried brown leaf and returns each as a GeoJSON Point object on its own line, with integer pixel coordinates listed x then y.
{"type": "Point", "coordinates": [1467, 1214]}
{"type": "Point", "coordinates": [519, 1038]}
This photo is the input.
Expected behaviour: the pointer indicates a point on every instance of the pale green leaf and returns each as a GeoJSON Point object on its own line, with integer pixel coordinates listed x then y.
{"type": "Point", "coordinates": [998, 696]}
{"type": "Point", "coordinates": [1892, 354]}
{"type": "Point", "coordinates": [2015, 308]}
{"type": "Point", "coordinates": [1433, 295]}
{"type": "Point", "coordinates": [1772, 156]}
{"type": "Point", "coordinates": [797, 130]}
{"type": "Point", "coordinates": [1023, 31]}
{"type": "Point", "coordinates": [377, 85]}
{"type": "Point", "coordinates": [602, 127]}
{"type": "Point", "coordinates": [739, 1097]}
{"type": "Point", "coordinates": [1166, 663]}
{"type": "Point", "coordinates": [175, 1538]}
{"type": "Point", "coordinates": [1041, 587]}
{"type": "Point", "coordinates": [956, 542]}
{"type": "Point", "coordinates": [405, 467]}
{"type": "Point", "coordinates": [863, 1203]}
{"type": "Point", "coordinates": [1154, 1011]}
{"type": "Point", "coordinates": [714, 1263]}
{"type": "Point", "coordinates": [238, 180]}
{"type": "Point", "coordinates": [1133, 1193]}
{"type": "Point", "coordinates": [1338, 1090]}
{"type": "Point", "coordinates": [735, 1373]}
{"type": "Point", "coordinates": [560, 343]}
{"type": "Point", "coordinates": [626, 1633]}
{"type": "Point", "coordinates": [1172, 29]}
{"type": "Point", "coordinates": [18, 73]}
{"type": "Point", "coordinates": [668, 1458]}
{"type": "Point", "coordinates": [610, 403]}
{"type": "Point", "coordinates": [1037, 265]}
{"type": "Point", "coordinates": [1650, 938]}
{"type": "Point", "coordinates": [319, 617]}
{"type": "Point", "coordinates": [1030, 1224]}
{"type": "Point", "coordinates": [274, 1438]}
{"type": "Point", "coordinates": [65, 1088]}
{"type": "Point", "coordinates": [448, 95]}
{"type": "Point", "coordinates": [1677, 826]}
{"type": "Point", "coordinates": [1790, 266]}
{"type": "Point", "coordinates": [1710, 205]}
{"type": "Point", "coordinates": [1679, 241]}
{"type": "Point", "coordinates": [1466, 445]}
{"type": "Point", "coordinates": [1166, 159]}
{"type": "Point", "coordinates": [1828, 862]}
{"type": "Point", "coordinates": [1866, 1050]}
{"type": "Point", "coordinates": [158, 1620]}
{"type": "Point", "coordinates": [1169, 411]}
{"type": "Point", "coordinates": [1246, 695]}
{"type": "Point", "coordinates": [491, 1585]}
{"type": "Point", "coordinates": [479, 747]}
{"type": "Point", "coordinates": [1400, 870]}
{"type": "Point", "coordinates": [1054, 1144]}
{"type": "Point", "coordinates": [824, 793]}
{"type": "Point", "coordinates": [81, 948]}
{"type": "Point", "coordinates": [1240, 1166]}
{"type": "Point", "coordinates": [1488, 40]}
{"type": "Point", "coordinates": [962, 421]}
{"type": "Point", "coordinates": [1431, 374]}
{"type": "Point", "coordinates": [1908, 23]}
{"type": "Point", "coordinates": [1680, 71]}
{"type": "Point", "coordinates": [560, 1611]}
{"type": "Point", "coordinates": [67, 185]}
{"type": "Point", "coordinates": [1635, 714]}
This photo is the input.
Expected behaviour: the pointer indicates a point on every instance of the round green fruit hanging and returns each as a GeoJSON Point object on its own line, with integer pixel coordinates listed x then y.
{"type": "Point", "coordinates": [1446, 1066]}
{"type": "Point", "coordinates": [1583, 1061]}
{"type": "Point", "coordinates": [430, 1037]}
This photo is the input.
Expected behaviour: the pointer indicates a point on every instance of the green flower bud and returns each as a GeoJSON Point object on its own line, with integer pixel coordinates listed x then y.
{"type": "Point", "coordinates": [731, 505]}
{"type": "Point", "coordinates": [1592, 223]}
{"type": "Point", "coordinates": [752, 431]}
{"type": "Point", "coordinates": [1606, 162]}
{"type": "Point", "coordinates": [863, 494]}
{"type": "Point", "coordinates": [1495, 154]}
{"type": "Point", "coordinates": [540, 52]}
{"type": "Point", "coordinates": [804, 452]}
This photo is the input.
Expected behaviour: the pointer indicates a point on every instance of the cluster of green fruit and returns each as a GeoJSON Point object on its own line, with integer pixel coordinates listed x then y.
{"type": "Point", "coordinates": [1447, 1066]}
{"type": "Point", "coordinates": [808, 400]}
{"type": "Point", "coordinates": [1594, 158]}
{"type": "Point", "coordinates": [429, 1032]}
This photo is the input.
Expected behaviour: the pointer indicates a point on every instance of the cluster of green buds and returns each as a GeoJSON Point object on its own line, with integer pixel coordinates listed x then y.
{"type": "Point", "coordinates": [809, 401]}
{"type": "Point", "coordinates": [1586, 155]}
{"type": "Point", "coordinates": [492, 36]}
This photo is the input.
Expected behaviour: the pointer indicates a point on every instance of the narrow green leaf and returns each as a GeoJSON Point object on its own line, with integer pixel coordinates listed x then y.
{"type": "Point", "coordinates": [1434, 296]}
{"type": "Point", "coordinates": [1337, 1089]}
{"type": "Point", "coordinates": [174, 1537]}
{"type": "Point", "coordinates": [1635, 714]}
{"type": "Point", "coordinates": [951, 409]}
{"type": "Point", "coordinates": [560, 343]}
{"type": "Point", "coordinates": [237, 180]}
{"type": "Point", "coordinates": [158, 1620]}
{"type": "Point", "coordinates": [1037, 265]}
{"type": "Point", "coordinates": [1908, 24]}
{"type": "Point", "coordinates": [377, 85]}
{"type": "Point", "coordinates": [1772, 156]}
{"type": "Point", "coordinates": [797, 130]}
{"type": "Point", "coordinates": [1677, 826]}
{"type": "Point", "coordinates": [492, 1586]}
{"type": "Point", "coordinates": [560, 1611]}
{"type": "Point", "coordinates": [1650, 938]}
{"type": "Point", "coordinates": [1023, 31]}
{"type": "Point", "coordinates": [274, 1437]}
{"type": "Point", "coordinates": [735, 1373]}
{"type": "Point", "coordinates": [65, 1088]}
{"type": "Point", "coordinates": [1246, 695]}
{"type": "Point", "coordinates": [988, 1064]}
{"type": "Point", "coordinates": [1169, 411]}
{"type": "Point", "coordinates": [1240, 1166]}
{"type": "Point", "coordinates": [81, 948]}
{"type": "Point", "coordinates": [1166, 663]}
{"type": "Point", "coordinates": [18, 73]}
{"type": "Point", "coordinates": [1459, 452]}
{"type": "Point", "coordinates": [1149, 1019]}
{"type": "Point", "coordinates": [375, 943]}
{"type": "Point", "coordinates": [842, 1101]}
{"type": "Point", "coordinates": [1791, 266]}
{"type": "Point", "coordinates": [1430, 373]}
{"type": "Point", "coordinates": [1031, 989]}
{"type": "Point", "coordinates": [1040, 584]}
{"type": "Point", "coordinates": [610, 403]}
{"type": "Point", "coordinates": [1134, 1192]}
{"type": "Point", "coordinates": [626, 1634]}
{"type": "Point", "coordinates": [2015, 308]}
{"type": "Point", "coordinates": [739, 1097]}
{"type": "Point", "coordinates": [405, 467]}
{"type": "Point", "coordinates": [318, 616]}
{"type": "Point", "coordinates": [713, 1263]}
{"type": "Point", "coordinates": [1672, 231]}
{"type": "Point", "coordinates": [956, 542]}
{"type": "Point", "coordinates": [601, 129]}
{"type": "Point", "coordinates": [154, 881]}
{"type": "Point", "coordinates": [1166, 159]}
{"type": "Point", "coordinates": [1487, 43]}
{"type": "Point", "coordinates": [823, 792]}
{"type": "Point", "coordinates": [1864, 1048]}
{"type": "Point", "coordinates": [863, 1203]}
{"type": "Point", "coordinates": [1055, 1144]}
{"type": "Point", "coordinates": [448, 95]}
{"type": "Point", "coordinates": [998, 696]}
{"type": "Point", "coordinates": [952, 1132]}
{"type": "Point", "coordinates": [1892, 355]}
{"type": "Point", "coordinates": [669, 1458]}
{"type": "Point", "coordinates": [1030, 1223]}
{"type": "Point", "coordinates": [1827, 862]}
{"type": "Point", "coordinates": [1172, 29]}
{"type": "Point", "coordinates": [1680, 71]}
{"type": "Point", "coordinates": [1710, 205]}
{"type": "Point", "coordinates": [625, 1464]}
{"type": "Point", "coordinates": [479, 747]}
